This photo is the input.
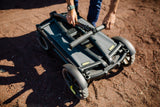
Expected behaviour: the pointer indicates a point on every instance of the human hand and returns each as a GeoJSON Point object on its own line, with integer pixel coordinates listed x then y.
{"type": "Point", "coordinates": [109, 20]}
{"type": "Point", "coordinates": [72, 17]}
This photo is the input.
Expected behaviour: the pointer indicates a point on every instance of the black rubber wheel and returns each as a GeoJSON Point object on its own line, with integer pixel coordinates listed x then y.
{"type": "Point", "coordinates": [43, 42]}
{"type": "Point", "coordinates": [75, 81]}
{"type": "Point", "coordinates": [130, 57]}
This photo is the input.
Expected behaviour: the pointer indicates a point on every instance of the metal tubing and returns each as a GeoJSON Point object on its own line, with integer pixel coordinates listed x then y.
{"type": "Point", "coordinates": [96, 57]}
{"type": "Point", "coordinates": [85, 36]}
{"type": "Point", "coordinates": [96, 74]}
{"type": "Point", "coordinates": [80, 39]}
{"type": "Point", "coordinates": [89, 66]}
{"type": "Point", "coordinates": [115, 49]}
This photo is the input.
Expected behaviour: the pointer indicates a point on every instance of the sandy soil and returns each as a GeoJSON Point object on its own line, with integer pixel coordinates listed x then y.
{"type": "Point", "coordinates": [30, 77]}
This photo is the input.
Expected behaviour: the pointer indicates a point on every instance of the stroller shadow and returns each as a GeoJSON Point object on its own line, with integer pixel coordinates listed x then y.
{"type": "Point", "coordinates": [49, 88]}
{"type": "Point", "coordinates": [27, 4]}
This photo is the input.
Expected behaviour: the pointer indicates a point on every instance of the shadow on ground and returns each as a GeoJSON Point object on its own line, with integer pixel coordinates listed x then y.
{"type": "Point", "coordinates": [27, 4]}
{"type": "Point", "coordinates": [49, 88]}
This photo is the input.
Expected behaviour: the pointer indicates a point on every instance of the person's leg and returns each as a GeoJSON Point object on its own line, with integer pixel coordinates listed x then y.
{"type": "Point", "coordinates": [94, 10]}
{"type": "Point", "coordinates": [76, 5]}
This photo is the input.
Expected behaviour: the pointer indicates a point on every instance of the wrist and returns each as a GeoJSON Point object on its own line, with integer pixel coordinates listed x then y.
{"type": "Point", "coordinates": [70, 7]}
{"type": "Point", "coordinates": [73, 11]}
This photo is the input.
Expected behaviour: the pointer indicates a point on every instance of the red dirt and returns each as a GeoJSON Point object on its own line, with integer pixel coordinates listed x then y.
{"type": "Point", "coordinates": [33, 78]}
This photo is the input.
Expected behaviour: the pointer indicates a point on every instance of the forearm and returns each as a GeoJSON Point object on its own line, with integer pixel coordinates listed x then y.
{"type": "Point", "coordinates": [113, 6]}
{"type": "Point", "coordinates": [71, 15]}
{"type": "Point", "coordinates": [109, 19]}
{"type": "Point", "coordinates": [70, 2]}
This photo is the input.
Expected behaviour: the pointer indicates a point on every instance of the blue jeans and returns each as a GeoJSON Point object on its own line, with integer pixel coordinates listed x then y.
{"type": "Point", "coordinates": [94, 10]}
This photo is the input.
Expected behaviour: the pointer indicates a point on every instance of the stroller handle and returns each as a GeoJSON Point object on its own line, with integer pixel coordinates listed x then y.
{"type": "Point", "coordinates": [83, 37]}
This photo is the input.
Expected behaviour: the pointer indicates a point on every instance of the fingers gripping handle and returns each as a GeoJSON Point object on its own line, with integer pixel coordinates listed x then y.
{"type": "Point", "coordinates": [85, 36]}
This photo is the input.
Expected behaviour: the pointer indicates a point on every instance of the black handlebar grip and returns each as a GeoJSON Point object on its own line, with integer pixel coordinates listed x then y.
{"type": "Point", "coordinates": [85, 36]}
{"type": "Point", "coordinates": [101, 27]}
{"type": "Point", "coordinates": [80, 39]}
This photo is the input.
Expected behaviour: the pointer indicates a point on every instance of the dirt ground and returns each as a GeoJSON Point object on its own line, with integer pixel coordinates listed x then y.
{"type": "Point", "coordinates": [30, 77]}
